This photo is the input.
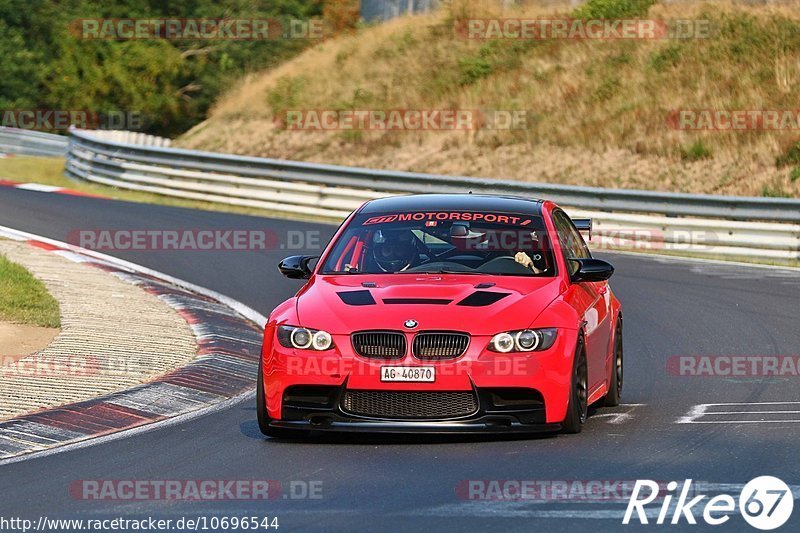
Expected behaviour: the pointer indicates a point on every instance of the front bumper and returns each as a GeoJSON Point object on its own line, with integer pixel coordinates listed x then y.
{"type": "Point", "coordinates": [469, 427]}
{"type": "Point", "coordinates": [546, 374]}
{"type": "Point", "coordinates": [496, 410]}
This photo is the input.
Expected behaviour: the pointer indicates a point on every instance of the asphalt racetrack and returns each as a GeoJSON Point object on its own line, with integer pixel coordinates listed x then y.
{"type": "Point", "coordinates": [671, 308]}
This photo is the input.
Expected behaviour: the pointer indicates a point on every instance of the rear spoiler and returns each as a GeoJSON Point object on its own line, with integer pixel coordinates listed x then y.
{"type": "Point", "coordinates": [583, 224]}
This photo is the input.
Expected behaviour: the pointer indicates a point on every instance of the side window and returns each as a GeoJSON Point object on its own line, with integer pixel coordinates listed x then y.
{"type": "Point", "coordinates": [572, 243]}
{"type": "Point", "coordinates": [579, 247]}
{"type": "Point", "coordinates": [563, 234]}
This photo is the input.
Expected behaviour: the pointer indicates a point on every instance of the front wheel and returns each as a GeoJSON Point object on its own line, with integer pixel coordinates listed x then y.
{"type": "Point", "coordinates": [578, 407]}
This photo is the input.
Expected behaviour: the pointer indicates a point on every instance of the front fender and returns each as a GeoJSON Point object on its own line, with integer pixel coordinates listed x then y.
{"type": "Point", "coordinates": [559, 314]}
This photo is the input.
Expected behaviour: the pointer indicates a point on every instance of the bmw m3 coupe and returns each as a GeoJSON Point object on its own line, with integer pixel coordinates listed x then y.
{"type": "Point", "coordinates": [444, 313]}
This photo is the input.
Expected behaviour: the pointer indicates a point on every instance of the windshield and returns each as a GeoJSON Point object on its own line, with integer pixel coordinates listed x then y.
{"type": "Point", "coordinates": [463, 242]}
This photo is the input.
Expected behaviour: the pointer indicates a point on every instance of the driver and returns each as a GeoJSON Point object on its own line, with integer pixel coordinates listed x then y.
{"type": "Point", "coordinates": [394, 250]}
{"type": "Point", "coordinates": [530, 256]}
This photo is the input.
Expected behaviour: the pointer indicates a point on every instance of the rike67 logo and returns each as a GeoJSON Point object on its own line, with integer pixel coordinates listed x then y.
{"type": "Point", "coordinates": [765, 503]}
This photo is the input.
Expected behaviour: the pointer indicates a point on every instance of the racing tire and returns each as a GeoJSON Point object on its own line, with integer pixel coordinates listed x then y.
{"type": "Point", "coordinates": [578, 407]}
{"type": "Point", "coordinates": [261, 411]}
{"type": "Point", "coordinates": [614, 394]}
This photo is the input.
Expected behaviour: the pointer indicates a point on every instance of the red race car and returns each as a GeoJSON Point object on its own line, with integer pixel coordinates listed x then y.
{"type": "Point", "coordinates": [444, 313]}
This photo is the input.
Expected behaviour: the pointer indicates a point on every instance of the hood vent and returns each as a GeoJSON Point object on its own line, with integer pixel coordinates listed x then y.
{"type": "Point", "coordinates": [357, 297]}
{"type": "Point", "coordinates": [416, 301]}
{"type": "Point", "coordinates": [482, 298]}
{"type": "Point", "coordinates": [476, 299]}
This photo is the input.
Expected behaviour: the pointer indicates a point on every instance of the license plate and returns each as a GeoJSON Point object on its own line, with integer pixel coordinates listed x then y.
{"type": "Point", "coordinates": [422, 374]}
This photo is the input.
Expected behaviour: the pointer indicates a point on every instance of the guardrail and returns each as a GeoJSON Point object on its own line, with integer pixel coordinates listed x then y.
{"type": "Point", "coordinates": [768, 228]}
{"type": "Point", "coordinates": [28, 142]}
{"type": "Point", "coordinates": [133, 137]}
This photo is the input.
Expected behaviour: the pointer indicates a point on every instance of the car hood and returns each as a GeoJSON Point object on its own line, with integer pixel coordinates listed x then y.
{"type": "Point", "coordinates": [343, 304]}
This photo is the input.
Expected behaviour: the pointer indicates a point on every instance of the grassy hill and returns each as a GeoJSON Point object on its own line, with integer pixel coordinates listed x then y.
{"type": "Point", "coordinates": [600, 107]}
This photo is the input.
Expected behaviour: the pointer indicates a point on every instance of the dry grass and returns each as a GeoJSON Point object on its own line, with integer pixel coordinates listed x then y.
{"type": "Point", "coordinates": [600, 107]}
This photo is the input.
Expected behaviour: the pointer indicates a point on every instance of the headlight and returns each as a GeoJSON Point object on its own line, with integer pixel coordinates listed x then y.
{"type": "Point", "coordinates": [304, 338]}
{"type": "Point", "coordinates": [322, 340]}
{"type": "Point", "coordinates": [502, 342]}
{"type": "Point", "coordinates": [526, 340]}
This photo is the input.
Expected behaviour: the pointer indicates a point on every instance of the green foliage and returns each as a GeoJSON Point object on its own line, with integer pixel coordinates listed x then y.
{"type": "Point", "coordinates": [492, 57]}
{"type": "Point", "coordinates": [794, 175]}
{"type": "Point", "coordinates": [613, 9]}
{"type": "Point", "coordinates": [609, 86]}
{"type": "Point", "coordinates": [474, 68]}
{"type": "Point", "coordinates": [287, 94]}
{"type": "Point", "coordinates": [790, 157]}
{"type": "Point", "coordinates": [696, 151]}
{"type": "Point", "coordinates": [666, 58]}
{"type": "Point", "coordinates": [45, 65]}
{"type": "Point", "coordinates": [773, 191]}
{"type": "Point", "coordinates": [622, 58]}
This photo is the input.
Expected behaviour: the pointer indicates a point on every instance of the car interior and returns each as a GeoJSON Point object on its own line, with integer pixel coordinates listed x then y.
{"type": "Point", "coordinates": [442, 247]}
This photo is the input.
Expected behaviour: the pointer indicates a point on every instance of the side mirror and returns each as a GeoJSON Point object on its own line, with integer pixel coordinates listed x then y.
{"type": "Point", "coordinates": [296, 266]}
{"type": "Point", "coordinates": [591, 270]}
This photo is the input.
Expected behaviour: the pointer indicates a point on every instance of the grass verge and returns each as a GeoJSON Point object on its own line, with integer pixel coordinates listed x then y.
{"type": "Point", "coordinates": [24, 299]}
